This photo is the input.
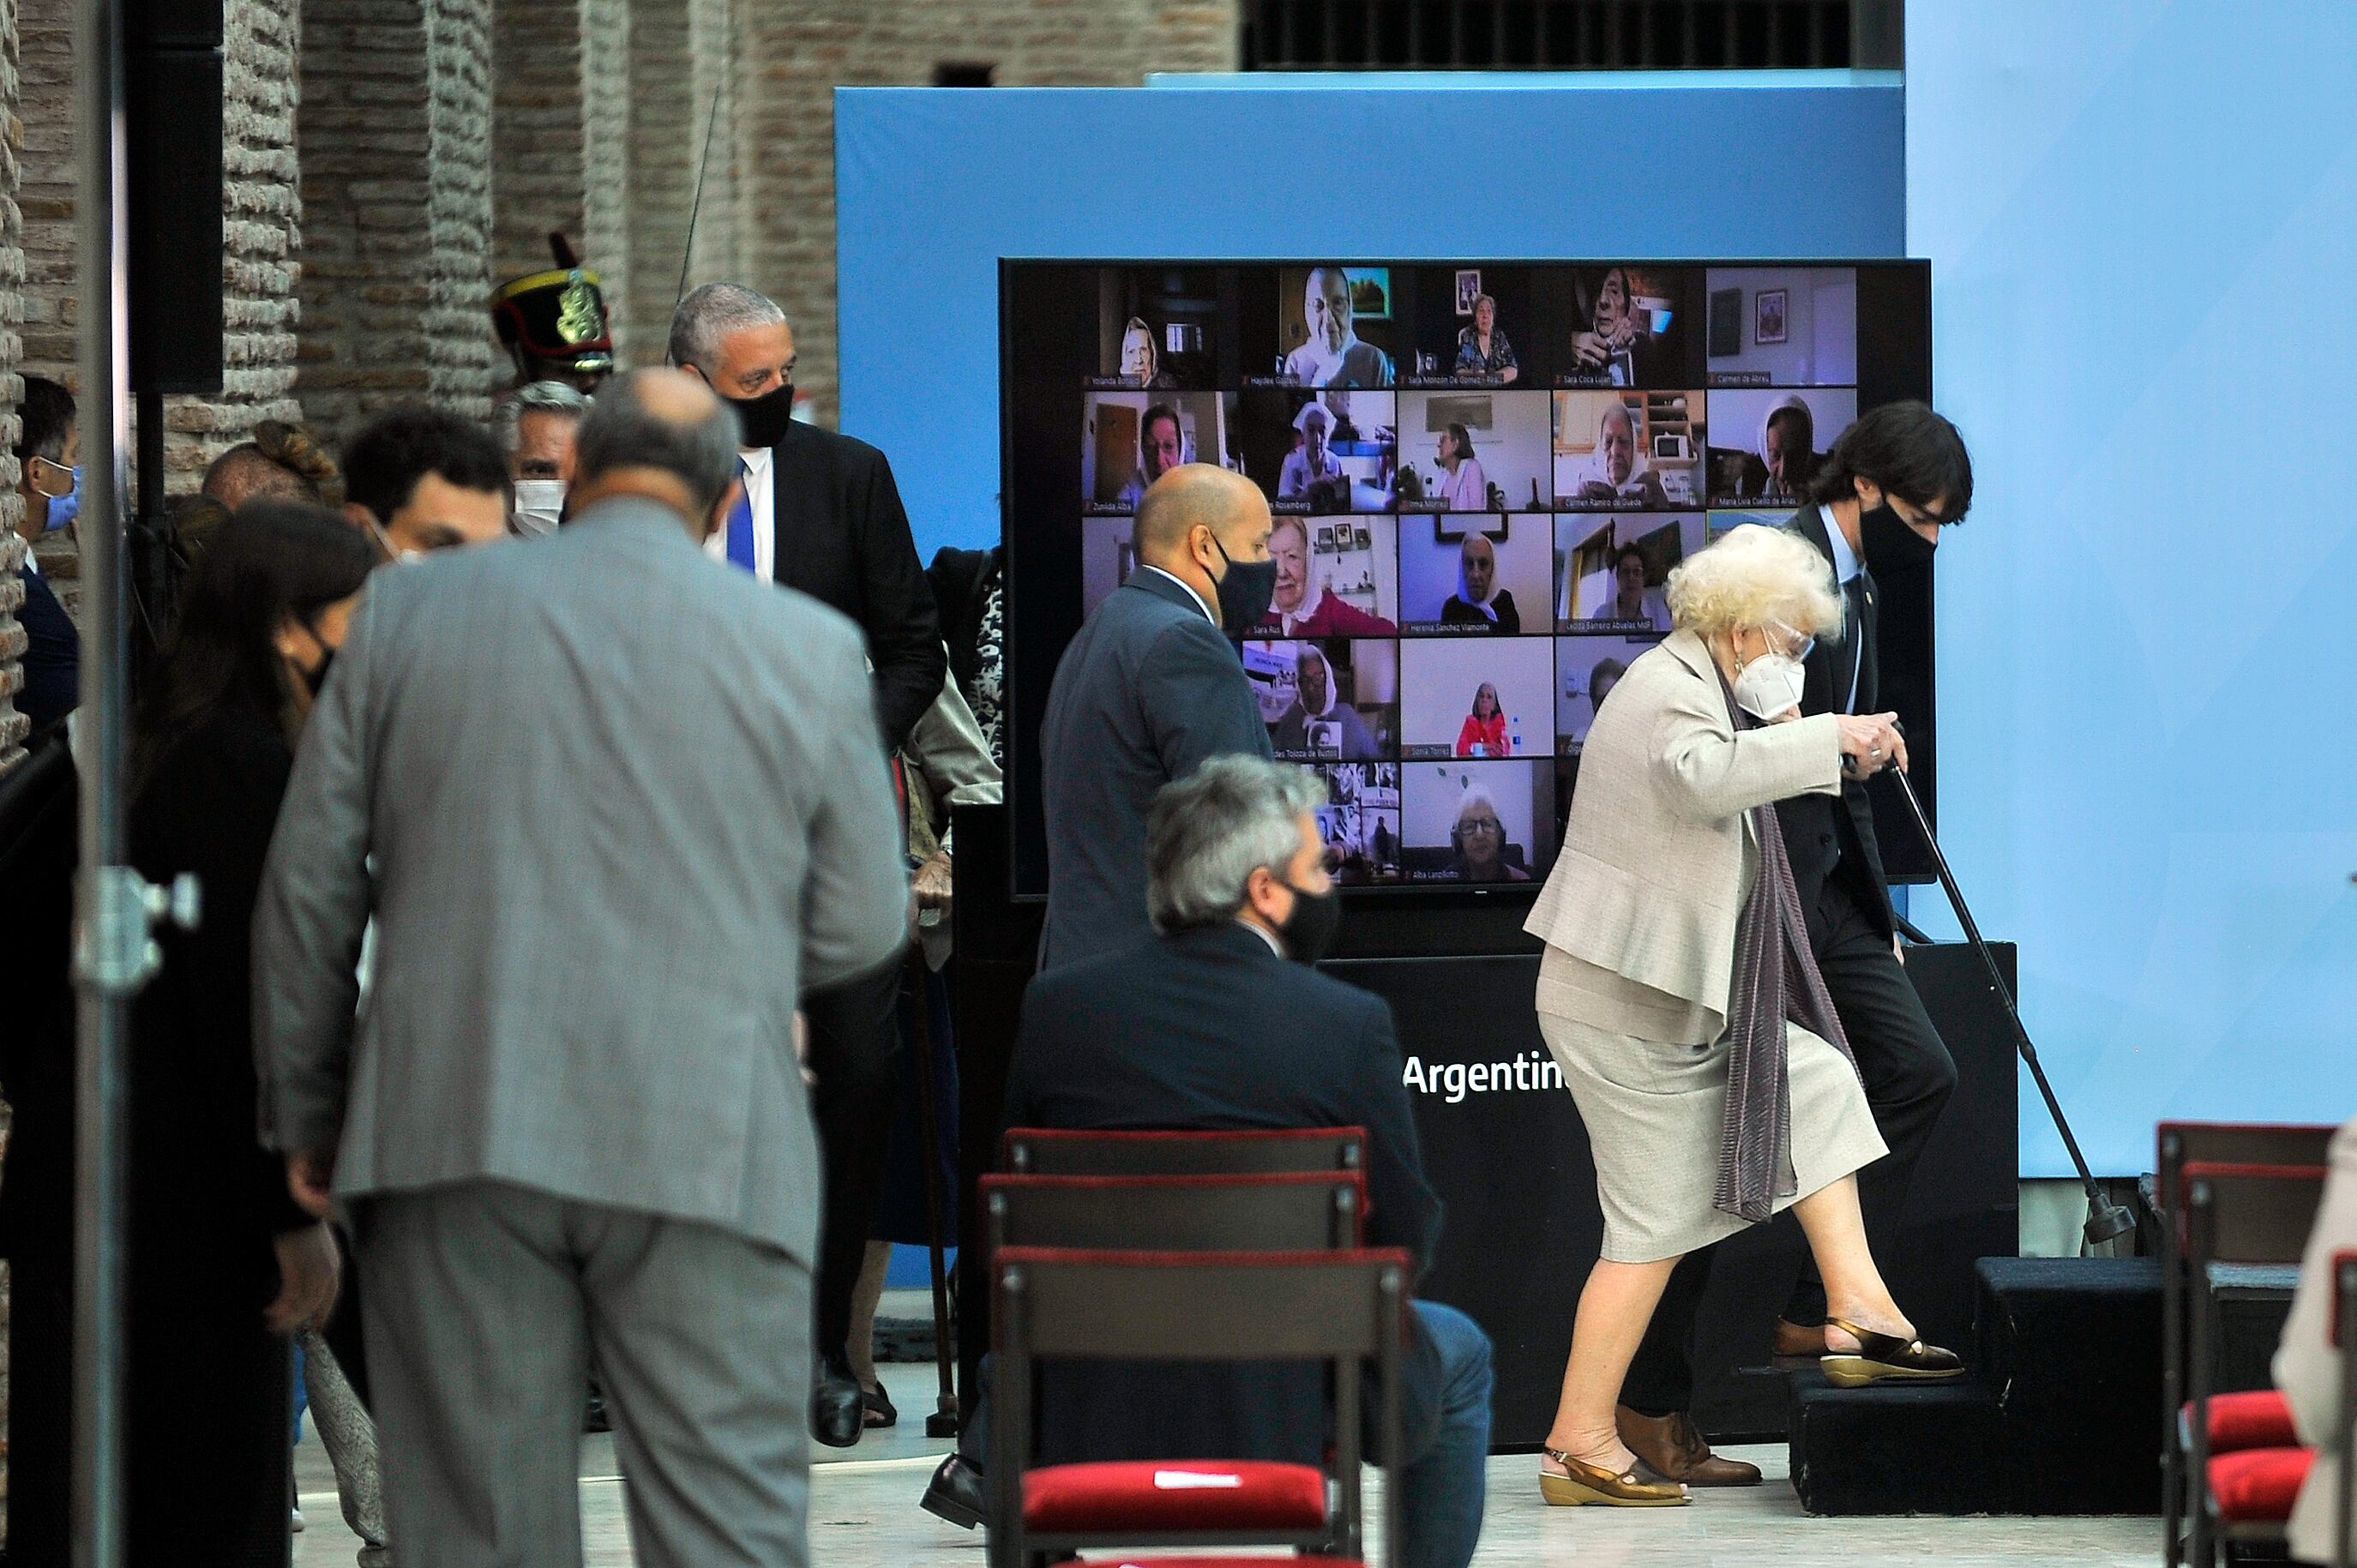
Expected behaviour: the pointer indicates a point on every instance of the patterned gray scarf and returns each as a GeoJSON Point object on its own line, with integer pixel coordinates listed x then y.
{"type": "Point", "coordinates": [1776, 980]}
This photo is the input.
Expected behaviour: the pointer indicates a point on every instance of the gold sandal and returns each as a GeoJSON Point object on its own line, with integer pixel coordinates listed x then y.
{"type": "Point", "coordinates": [1887, 1358]}
{"type": "Point", "coordinates": [1587, 1484]}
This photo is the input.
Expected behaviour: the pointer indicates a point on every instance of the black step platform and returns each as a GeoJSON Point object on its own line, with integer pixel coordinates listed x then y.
{"type": "Point", "coordinates": [2058, 1414]}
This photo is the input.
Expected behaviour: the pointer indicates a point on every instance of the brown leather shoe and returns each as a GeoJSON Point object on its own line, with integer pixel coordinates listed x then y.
{"type": "Point", "coordinates": [1793, 1339]}
{"type": "Point", "coordinates": [1671, 1444]}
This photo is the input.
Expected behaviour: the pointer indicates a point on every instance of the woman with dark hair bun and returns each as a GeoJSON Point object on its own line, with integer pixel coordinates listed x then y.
{"type": "Point", "coordinates": [223, 1263]}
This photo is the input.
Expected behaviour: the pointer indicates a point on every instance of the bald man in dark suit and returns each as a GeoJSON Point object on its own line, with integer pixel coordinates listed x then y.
{"type": "Point", "coordinates": [1149, 688]}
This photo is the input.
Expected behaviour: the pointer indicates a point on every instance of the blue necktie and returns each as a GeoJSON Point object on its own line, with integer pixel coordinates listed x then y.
{"type": "Point", "coordinates": [741, 522]}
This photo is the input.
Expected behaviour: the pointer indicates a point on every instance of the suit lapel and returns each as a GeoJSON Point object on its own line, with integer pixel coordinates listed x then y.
{"type": "Point", "coordinates": [794, 483]}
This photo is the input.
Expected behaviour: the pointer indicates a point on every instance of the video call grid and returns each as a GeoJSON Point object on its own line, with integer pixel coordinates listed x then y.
{"type": "Point", "coordinates": [1615, 462]}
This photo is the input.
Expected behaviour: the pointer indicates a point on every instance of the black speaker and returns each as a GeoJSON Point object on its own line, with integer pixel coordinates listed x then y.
{"type": "Point", "coordinates": [174, 179]}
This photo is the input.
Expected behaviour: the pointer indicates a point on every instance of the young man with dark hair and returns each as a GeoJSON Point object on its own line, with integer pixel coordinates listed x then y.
{"type": "Point", "coordinates": [51, 487]}
{"type": "Point", "coordinates": [1877, 503]}
{"type": "Point", "coordinates": [422, 480]}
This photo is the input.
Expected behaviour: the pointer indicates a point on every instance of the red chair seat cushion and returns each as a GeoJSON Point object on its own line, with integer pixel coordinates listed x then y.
{"type": "Point", "coordinates": [1173, 1494]}
{"type": "Point", "coordinates": [2258, 1419]}
{"type": "Point", "coordinates": [2258, 1486]}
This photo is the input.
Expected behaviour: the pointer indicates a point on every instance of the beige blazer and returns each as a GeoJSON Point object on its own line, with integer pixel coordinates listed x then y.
{"type": "Point", "coordinates": [1651, 879]}
{"type": "Point", "coordinates": [2307, 1368]}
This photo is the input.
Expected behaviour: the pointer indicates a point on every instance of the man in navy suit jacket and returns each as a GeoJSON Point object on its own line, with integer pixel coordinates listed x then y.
{"type": "Point", "coordinates": [1219, 1023]}
{"type": "Point", "coordinates": [1149, 688]}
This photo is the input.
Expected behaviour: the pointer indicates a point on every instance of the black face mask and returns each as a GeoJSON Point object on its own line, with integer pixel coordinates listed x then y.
{"type": "Point", "coordinates": [1246, 592]}
{"type": "Point", "coordinates": [1890, 543]}
{"type": "Point", "coordinates": [1309, 931]}
{"type": "Point", "coordinates": [764, 419]}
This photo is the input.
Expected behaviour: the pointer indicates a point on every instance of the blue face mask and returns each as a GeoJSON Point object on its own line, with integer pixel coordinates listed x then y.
{"type": "Point", "coordinates": [63, 508]}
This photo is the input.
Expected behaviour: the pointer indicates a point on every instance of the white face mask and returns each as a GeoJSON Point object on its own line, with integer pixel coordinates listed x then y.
{"type": "Point", "coordinates": [1771, 684]}
{"type": "Point", "coordinates": [538, 504]}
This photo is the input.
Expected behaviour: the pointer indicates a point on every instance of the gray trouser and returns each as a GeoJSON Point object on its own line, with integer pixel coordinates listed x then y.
{"type": "Point", "coordinates": [484, 1303]}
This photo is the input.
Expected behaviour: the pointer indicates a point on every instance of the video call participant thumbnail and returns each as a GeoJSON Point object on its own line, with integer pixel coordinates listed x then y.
{"type": "Point", "coordinates": [1154, 327]}
{"type": "Point", "coordinates": [1339, 698]}
{"type": "Point", "coordinates": [1308, 603]}
{"type": "Point", "coordinates": [1473, 575]}
{"type": "Point", "coordinates": [1616, 577]}
{"type": "Point", "coordinates": [1587, 669]}
{"type": "Point", "coordinates": [1361, 821]}
{"type": "Point", "coordinates": [1333, 354]}
{"type": "Point", "coordinates": [1129, 440]}
{"type": "Point", "coordinates": [1600, 456]}
{"type": "Point", "coordinates": [1484, 354]}
{"type": "Point", "coordinates": [1628, 327]}
{"type": "Point", "coordinates": [1320, 453]}
{"type": "Point", "coordinates": [1481, 699]}
{"type": "Point", "coordinates": [1476, 822]}
{"type": "Point", "coordinates": [1783, 326]}
{"type": "Point", "coordinates": [1788, 435]}
{"type": "Point", "coordinates": [1633, 600]}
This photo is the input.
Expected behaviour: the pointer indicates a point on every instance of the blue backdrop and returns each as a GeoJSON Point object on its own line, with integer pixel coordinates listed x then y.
{"type": "Point", "coordinates": [932, 187]}
{"type": "Point", "coordinates": [2139, 221]}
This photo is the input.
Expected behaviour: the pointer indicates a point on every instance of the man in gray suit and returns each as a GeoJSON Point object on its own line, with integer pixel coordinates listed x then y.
{"type": "Point", "coordinates": [623, 804]}
{"type": "Point", "coordinates": [1148, 689]}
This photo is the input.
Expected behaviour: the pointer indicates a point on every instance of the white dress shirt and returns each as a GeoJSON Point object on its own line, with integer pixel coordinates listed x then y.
{"type": "Point", "coordinates": [756, 468]}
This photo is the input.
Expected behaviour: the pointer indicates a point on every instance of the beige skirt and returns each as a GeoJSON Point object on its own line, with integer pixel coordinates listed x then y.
{"type": "Point", "coordinates": [1655, 1113]}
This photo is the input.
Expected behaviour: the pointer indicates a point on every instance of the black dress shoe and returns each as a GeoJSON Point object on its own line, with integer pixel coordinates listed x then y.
{"type": "Point", "coordinates": [837, 1413]}
{"type": "Point", "coordinates": [955, 1492]}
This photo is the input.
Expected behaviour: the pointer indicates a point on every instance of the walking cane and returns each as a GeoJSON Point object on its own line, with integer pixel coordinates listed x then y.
{"type": "Point", "coordinates": [943, 1422]}
{"type": "Point", "coordinates": [2105, 1218]}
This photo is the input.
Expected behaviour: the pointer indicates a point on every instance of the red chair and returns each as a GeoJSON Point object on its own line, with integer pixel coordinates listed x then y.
{"type": "Point", "coordinates": [2237, 1421]}
{"type": "Point", "coordinates": [1044, 1151]}
{"type": "Point", "coordinates": [1345, 1309]}
{"type": "Point", "coordinates": [2239, 1213]}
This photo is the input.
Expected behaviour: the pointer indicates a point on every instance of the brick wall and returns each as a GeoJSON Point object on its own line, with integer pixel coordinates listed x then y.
{"type": "Point", "coordinates": [392, 138]}
{"type": "Point", "coordinates": [800, 50]}
{"type": "Point", "coordinates": [13, 725]}
{"type": "Point", "coordinates": [560, 138]}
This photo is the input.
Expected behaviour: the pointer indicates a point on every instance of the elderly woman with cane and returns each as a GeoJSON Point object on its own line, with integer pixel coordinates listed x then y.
{"type": "Point", "coordinates": [1678, 994]}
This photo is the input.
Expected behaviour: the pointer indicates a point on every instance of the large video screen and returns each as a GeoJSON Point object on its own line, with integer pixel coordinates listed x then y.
{"type": "Point", "coordinates": [1482, 475]}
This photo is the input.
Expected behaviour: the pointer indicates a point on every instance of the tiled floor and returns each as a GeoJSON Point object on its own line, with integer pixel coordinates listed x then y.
{"type": "Point", "coordinates": [865, 1515]}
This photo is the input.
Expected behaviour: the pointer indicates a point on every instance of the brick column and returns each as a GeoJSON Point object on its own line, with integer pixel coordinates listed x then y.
{"type": "Point", "coordinates": [261, 213]}
{"type": "Point", "coordinates": [682, 54]}
{"type": "Point", "coordinates": [666, 134]}
{"type": "Point", "coordinates": [393, 136]}
{"type": "Point", "coordinates": [560, 135]}
{"type": "Point", "coordinates": [43, 104]}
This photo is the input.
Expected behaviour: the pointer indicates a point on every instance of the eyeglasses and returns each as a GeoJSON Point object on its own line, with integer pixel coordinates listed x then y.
{"type": "Point", "coordinates": [1480, 825]}
{"type": "Point", "coordinates": [1807, 644]}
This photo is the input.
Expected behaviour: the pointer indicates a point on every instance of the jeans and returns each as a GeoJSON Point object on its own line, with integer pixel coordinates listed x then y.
{"type": "Point", "coordinates": [1443, 1483]}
